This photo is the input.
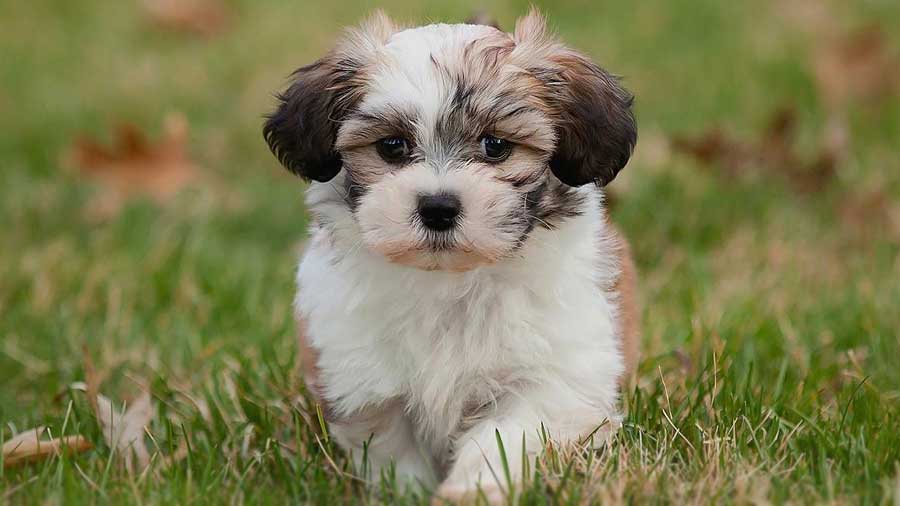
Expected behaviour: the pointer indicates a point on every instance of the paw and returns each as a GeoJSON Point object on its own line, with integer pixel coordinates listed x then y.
{"type": "Point", "coordinates": [468, 494]}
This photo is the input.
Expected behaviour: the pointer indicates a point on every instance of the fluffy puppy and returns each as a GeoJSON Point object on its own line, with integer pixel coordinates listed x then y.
{"type": "Point", "coordinates": [461, 279]}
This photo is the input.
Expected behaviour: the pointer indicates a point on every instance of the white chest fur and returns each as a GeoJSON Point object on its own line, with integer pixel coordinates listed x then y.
{"type": "Point", "coordinates": [442, 343]}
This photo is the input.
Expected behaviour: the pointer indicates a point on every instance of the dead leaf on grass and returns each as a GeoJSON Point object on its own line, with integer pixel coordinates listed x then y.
{"type": "Point", "coordinates": [870, 213]}
{"type": "Point", "coordinates": [29, 447]}
{"type": "Point", "coordinates": [772, 153]}
{"type": "Point", "coordinates": [778, 149]}
{"type": "Point", "coordinates": [124, 430]}
{"type": "Point", "coordinates": [204, 18]}
{"type": "Point", "coordinates": [714, 146]}
{"type": "Point", "coordinates": [134, 165]}
{"type": "Point", "coordinates": [857, 66]}
{"type": "Point", "coordinates": [847, 65]}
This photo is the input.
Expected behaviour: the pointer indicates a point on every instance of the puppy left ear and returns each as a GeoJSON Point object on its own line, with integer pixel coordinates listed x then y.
{"type": "Point", "coordinates": [596, 130]}
{"type": "Point", "coordinates": [302, 129]}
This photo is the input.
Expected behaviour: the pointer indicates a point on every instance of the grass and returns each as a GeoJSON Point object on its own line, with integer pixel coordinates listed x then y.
{"type": "Point", "coordinates": [771, 323]}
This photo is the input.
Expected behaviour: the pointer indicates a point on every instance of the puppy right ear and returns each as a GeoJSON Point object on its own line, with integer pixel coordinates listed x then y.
{"type": "Point", "coordinates": [595, 126]}
{"type": "Point", "coordinates": [302, 129]}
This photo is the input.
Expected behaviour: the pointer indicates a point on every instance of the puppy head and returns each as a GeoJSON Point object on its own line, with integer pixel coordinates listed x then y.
{"type": "Point", "coordinates": [449, 144]}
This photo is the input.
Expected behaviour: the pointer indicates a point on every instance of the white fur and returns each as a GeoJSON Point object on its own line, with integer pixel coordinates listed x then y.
{"type": "Point", "coordinates": [530, 337]}
{"type": "Point", "coordinates": [534, 331]}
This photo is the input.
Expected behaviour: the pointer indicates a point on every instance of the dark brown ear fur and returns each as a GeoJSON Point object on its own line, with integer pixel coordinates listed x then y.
{"type": "Point", "coordinates": [596, 131]}
{"type": "Point", "coordinates": [595, 127]}
{"type": "Point", "coordinates": [302, 129]}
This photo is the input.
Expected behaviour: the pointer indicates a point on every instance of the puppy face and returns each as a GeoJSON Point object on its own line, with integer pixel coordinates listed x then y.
{"type": "Point", "coordinates": [449, 144]}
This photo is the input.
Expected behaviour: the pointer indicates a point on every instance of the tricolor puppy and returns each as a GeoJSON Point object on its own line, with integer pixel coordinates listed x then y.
{"type": "Point", "coordinates": [461, 277]}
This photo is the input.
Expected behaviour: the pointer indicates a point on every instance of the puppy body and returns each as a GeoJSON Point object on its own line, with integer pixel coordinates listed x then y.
{"type": "Point", "coordinates": [453, 356]}
{"type": "Point", "coordinates": [423, 340]}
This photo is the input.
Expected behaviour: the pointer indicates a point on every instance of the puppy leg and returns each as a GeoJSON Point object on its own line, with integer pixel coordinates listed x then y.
{"type": "Point", "coordinates": [381, 440]}
{"type": "Point", "coordinates": [378, 436]}
{"type": "Point", "coordinates": [565, 415]}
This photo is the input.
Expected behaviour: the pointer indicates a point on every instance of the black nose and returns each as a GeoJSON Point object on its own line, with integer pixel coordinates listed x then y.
{"type": "Point", "coordinates": [439, 212]}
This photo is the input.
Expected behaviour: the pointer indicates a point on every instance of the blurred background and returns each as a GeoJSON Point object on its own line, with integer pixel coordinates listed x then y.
{"type": "Point", "coordinates": [145, 225]}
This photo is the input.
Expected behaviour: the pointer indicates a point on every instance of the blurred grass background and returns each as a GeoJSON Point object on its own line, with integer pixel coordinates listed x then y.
{"type": "Point", "coordinates": [772, 329]}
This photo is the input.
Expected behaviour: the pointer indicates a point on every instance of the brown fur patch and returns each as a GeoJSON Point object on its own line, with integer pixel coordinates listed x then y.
{"type": "Point", "coordinates": [629, 317]}
{"type": "Point", "coordinates": [302, 129]}
{"type": "Point", "coordinates": [308, 358]}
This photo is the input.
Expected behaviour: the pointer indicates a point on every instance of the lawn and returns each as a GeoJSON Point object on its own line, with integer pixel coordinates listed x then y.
{"type": "Point", "coordinates": [770, 289]}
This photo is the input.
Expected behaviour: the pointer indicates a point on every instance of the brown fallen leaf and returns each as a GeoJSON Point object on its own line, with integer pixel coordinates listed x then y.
{"type": "Point", "coordinates": [135, 166]}
{"type": "Point", "coordinates": [871, 213]}
{"type": "Point", "coordinates": [714, 146]}
{"type": "Point", "coordinates": [773, 153]}
{"type": "Point", "coordinates": [778, 152]}
{"type": "Point", "coordinates": [28, 447]}
{"type": "Point", "coordinates": [204, 18]}
{"type": "Point", "coordinates": [857, 66]}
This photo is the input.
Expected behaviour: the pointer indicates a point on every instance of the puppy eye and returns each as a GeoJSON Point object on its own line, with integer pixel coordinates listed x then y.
{"type": "Point", "coordinates": [495, 149]}
{"type": "Point", "coordinates": [392, 149]}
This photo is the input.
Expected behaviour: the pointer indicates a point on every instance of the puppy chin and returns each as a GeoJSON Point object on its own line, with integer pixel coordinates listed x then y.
{"type": "Point", "coordinates": [426, 258]}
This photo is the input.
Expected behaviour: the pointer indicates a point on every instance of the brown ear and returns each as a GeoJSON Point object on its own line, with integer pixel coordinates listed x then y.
{"type": "Point", "coordinates": [595, 127]}
{"type": "Point", "coordinates": [302, 130]}
{"type": "Point", "coordinates": [596, 130]}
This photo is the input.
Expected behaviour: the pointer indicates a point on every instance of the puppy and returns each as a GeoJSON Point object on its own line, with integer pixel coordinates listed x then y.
{"type": "Point", "coordinates": [461, 279]}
